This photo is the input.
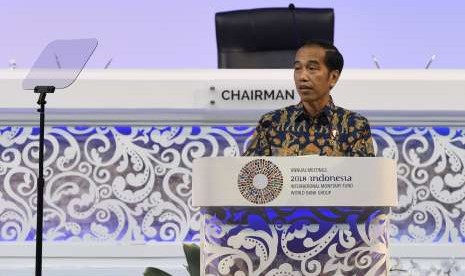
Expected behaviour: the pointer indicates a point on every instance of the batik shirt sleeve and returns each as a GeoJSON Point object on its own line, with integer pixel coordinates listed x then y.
{"type": "Point", "coordinates": [362, 142]}
{"type": "Point", "coordinates": [259, 143]}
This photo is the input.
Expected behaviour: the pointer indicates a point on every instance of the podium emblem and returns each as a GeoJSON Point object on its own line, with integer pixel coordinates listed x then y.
{"type": "Point", "coordinates": [260, 181]}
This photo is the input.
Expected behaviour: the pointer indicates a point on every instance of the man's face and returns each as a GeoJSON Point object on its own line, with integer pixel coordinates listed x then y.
{"type": "Point", "coordinates": [312, 78]}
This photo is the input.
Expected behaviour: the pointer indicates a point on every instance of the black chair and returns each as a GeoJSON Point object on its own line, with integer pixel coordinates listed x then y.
{"type": "Point", "coordinates": [269, 37]}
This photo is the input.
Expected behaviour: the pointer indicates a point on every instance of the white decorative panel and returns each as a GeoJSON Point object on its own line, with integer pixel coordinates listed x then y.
{"type": "Point", "coordinates": [133, 183]}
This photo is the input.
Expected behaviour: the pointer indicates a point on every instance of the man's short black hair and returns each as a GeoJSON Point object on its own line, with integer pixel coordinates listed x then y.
{"type": "Point", "coordinates": [333, 58]}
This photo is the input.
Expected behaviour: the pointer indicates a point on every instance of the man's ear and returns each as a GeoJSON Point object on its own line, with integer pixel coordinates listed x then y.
{"type": "Point", "coordinates": [334, 77]}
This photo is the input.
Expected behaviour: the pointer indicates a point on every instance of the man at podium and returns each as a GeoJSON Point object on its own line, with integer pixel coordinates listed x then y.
{"type": "Point", "coordinates": [315, 125]}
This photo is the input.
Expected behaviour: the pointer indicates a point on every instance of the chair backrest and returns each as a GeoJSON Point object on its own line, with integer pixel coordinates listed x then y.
{"type": "Point", "coordinates": [269, 37]}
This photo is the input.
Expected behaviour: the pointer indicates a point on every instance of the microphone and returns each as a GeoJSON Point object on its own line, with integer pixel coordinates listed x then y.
{"type": "Point", "coordinates": [375, 61]}
{"type": "Point", "coordinates": [433, 57]}
{"type": "Point", "coordinates": [57, 61]}
{"type": "Point", "coordinates": [108, 63]}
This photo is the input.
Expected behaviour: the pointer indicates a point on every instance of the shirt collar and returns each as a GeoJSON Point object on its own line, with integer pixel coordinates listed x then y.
{"type": "Point", "coordinates": [326, 112]}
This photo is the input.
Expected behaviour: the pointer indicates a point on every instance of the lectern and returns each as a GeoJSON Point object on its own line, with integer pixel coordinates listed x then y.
{"type": "Point", "coordinates": [301, 215]}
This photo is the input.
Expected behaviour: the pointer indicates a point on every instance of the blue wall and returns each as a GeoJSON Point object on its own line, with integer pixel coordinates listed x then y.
{"type": "Point", "coordinates": [180, 34]}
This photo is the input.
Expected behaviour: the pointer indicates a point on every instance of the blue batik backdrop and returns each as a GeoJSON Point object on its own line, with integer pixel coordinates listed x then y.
{"type": "Point", "coordinates": [134, 183]}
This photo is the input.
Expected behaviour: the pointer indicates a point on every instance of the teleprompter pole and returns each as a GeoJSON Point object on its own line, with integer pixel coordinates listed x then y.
{"type": "Point", "coordinates": [42, 91]}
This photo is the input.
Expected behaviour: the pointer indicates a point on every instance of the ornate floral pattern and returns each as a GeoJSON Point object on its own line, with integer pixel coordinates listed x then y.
{"type": "Point", "coordinates": [431, 177]}
{"type": "Point", "coordinates": [133, 183]}
{"type": "Point", "coordinates": [107, 183]}
{"type": "Point", "coordinates": [295, 241]}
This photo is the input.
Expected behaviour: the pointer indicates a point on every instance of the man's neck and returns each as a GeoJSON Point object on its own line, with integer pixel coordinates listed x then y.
{"type": "Point", "coordinates": [315, 107]}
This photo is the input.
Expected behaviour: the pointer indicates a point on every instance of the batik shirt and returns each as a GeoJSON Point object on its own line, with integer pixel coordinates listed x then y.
{"type": "Point", "coordinates": [335, 131]}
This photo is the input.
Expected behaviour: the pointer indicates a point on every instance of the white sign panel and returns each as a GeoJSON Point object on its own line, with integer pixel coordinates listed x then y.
{"type": "Point", "coordinates": [294, 181]}
{"type": "Point", "coordinates": [254, 94]}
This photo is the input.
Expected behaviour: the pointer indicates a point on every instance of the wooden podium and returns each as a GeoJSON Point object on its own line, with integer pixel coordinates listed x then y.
{"type": "Point", "coordinates": [306, 215]}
